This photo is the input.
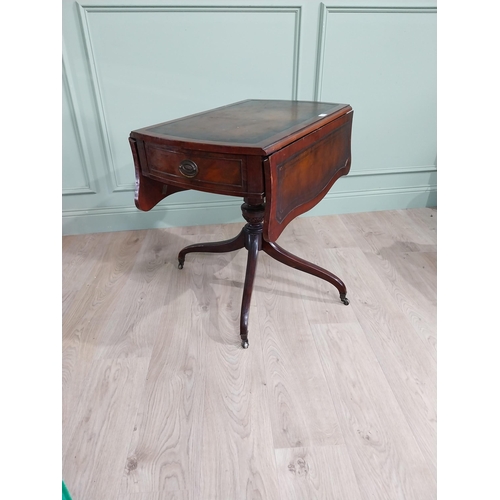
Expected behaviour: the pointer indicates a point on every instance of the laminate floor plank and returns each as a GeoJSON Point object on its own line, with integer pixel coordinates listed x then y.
{"type": "Point", "coordinates": [395, 251]}
{"type": "Point", "coordinates": [317, 473]}
{"type": "Point", "coordinates": [368, 231]}
{"type": "Point", "coordinates": [164, 454]}
{"type": "Point", "coordinates": [329, 401]}
{"type": "Point", "coordinates": [418, 269]}
{"type": "Point", "coordinates": [237, 448]}
{"type": "Point", "coordinates": [237, 453]}
{"type": "Point", "coordinates": [320, 299]}
{"type": "Point", "coordinates": [302, 411]}
{"type": "Point", "coordinates": [418, 309]}
{"type": "Point", "coordinates": [90, 308]}
{"type": "Point", "coordinates": [76, 250]}
{"type": "Point", "coordinates": [156, 495]}
{"type": "Point", "coordinates": [104, 282]}
{"type": "Point", "coordinates": [421, 268]}
{"type": "Point", "coordinates": [426, 218]}
{"type": "Point", "coordinates": [94, 452]}
{"type": "Point", "coordinates": [405, 358]}
{"type": "Point", "coordinates": [331, 231]}
{"type": "Point", "coordinates": [143, 303]}
{"type": "Point", "coordinates": [390, 231]}
{"type": "Point", "coordinates": [407, 234]}
{"type": "Point", "coordinates": [385, 456]}
{"type": "Point", "coordinates": [81, 255]}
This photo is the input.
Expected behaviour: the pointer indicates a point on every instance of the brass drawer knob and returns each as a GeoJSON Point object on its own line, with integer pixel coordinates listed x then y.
{"type": "Point", "coordinates": [188, 168]}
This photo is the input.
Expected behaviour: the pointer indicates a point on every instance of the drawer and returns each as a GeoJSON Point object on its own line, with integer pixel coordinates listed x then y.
{"type": "Point", "coordinates": [195, 169]}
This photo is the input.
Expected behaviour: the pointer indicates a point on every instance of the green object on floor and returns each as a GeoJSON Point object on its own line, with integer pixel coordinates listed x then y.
{"type": "Point", "coordinates": [65, 492]}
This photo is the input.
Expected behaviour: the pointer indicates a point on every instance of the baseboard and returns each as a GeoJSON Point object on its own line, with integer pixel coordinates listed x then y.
{"type": "Point", "coordinates": [371, 200]}
{"type": "Point", "coordinates": [225, 211]}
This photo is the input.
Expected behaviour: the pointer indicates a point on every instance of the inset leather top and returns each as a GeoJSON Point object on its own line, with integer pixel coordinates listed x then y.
{"type": "Point", "coordinates": [252, 127]}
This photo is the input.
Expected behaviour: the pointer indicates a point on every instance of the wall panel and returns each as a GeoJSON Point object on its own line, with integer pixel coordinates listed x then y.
{"type": "Point", "coordinates": [383, 60]}
{"type": "Point", "coordinates": [76, 178]}
{"type": "Point", "coordinates": [136, 63]}
{"type": "Point", "coordinates": [152, 64]}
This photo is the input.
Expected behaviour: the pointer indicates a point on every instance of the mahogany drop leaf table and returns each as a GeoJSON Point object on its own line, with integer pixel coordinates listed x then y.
{"type": "Point", "coordinates": [281, 157]}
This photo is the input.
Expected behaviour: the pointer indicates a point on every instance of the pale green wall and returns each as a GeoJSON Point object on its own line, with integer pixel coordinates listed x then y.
{"type": "Point", "coordinates": [128, 64]}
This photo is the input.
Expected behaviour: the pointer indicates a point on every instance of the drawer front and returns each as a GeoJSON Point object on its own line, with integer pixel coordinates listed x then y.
{"type": "Point", "coordinates": [196, 170]}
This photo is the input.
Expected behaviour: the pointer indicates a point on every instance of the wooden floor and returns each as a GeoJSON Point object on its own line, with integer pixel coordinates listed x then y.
{"type": "Point", "coordinates": [329, 402]}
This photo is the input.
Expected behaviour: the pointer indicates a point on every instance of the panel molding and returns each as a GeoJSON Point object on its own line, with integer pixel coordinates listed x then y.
{"type": "Point", "coordinates": [398, 170]}
{"type": "Point", "coordinates": [171, 214]}
{"type": "Point", "coordinates": [354, 8]}
{"type": "Point", "coordinates": [86, 8]}
{"type": "Point", "coordinates": [89, 187]}
{"type": "Point", "coordinates": [128, 218]}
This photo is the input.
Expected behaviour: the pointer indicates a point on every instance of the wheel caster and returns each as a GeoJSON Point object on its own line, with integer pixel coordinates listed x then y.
{"type": "Point", "coordinates": [344, 299]}
{"type": "Point", "coordinates": [244, 344]}
{"type": "Point", "coordinates": [181, 265]}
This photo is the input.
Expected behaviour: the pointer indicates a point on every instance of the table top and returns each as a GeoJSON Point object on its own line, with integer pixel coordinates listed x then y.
{"type": "Point", "coordinates": [286, 154]}
{"type": "Point", "coordinates": [254, 127]}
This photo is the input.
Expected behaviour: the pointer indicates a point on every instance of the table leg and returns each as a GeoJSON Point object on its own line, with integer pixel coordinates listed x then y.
{"type": "Point", "coordinates": [253, 213]}
{"type": "Point", "coordinates": [281, 255]}
{"type": "Point", "coordinates": [251, 238]}
{"type": "Point", "coordinates": [214, 247]}
{"type": "Point", "coordinates": [253, 245]}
